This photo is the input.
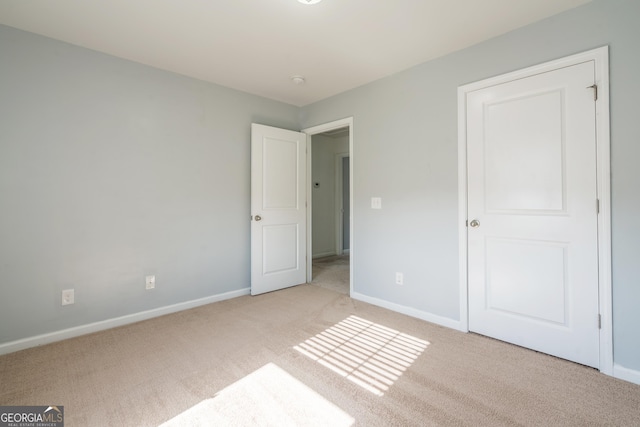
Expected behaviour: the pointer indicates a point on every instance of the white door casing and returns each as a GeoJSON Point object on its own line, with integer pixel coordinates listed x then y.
{"type": "Point", "coordinates": [314, 130]}
{"type": "Point", "coordinates": [278, 208]}
{"type": "Point", "coordinates": [537, 266]}
{"type": "Point", "coordinates": [340, 202]}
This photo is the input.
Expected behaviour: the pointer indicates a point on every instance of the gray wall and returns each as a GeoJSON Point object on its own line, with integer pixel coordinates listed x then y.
{"type": "Point", "coordinates": [323, 171]}
{"type": "Point", "coordinates": [405, 151]}
{"type": "Point", "coordinates": [109, 171]}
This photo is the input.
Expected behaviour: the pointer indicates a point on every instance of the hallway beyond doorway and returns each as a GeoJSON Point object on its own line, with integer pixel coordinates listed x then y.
{"type": "Point", "coordinates": [332, 273]}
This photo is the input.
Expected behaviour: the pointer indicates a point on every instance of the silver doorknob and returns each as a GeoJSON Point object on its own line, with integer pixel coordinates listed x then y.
{"type": "Point", "coordinates": [475, 223]}
{"type": "Point", "coordinates": [258, 217]}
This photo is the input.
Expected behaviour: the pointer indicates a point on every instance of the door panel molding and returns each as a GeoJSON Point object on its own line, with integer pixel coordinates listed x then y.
{"type": "Point", "coordinates": [600, 56]}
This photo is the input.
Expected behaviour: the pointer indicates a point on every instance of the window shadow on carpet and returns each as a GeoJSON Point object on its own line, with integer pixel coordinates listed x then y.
{"type": "Point", "coordinates": [368, 354]}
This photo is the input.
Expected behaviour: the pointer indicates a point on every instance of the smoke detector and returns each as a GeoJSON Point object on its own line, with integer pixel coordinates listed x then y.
{"type": "Point", "coordinates": [299, 80]}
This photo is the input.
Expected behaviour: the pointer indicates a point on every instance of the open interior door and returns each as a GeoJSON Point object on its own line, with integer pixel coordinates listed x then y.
{"type": "Point", "coordinates": [278, 208]}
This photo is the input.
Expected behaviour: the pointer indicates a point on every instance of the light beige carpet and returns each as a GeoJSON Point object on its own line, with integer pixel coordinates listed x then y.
{"type": "Point", "coordinates": [307, 356]}
{"type": "Point", "coordinates": [332, 273]}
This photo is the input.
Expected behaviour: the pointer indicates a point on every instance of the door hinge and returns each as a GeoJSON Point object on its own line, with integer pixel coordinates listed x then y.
{"type": "Point", "coordinates": [595, 91]}
{"type": "Point", "coordinates": [599, 321]}
{"type": "Point", "coordinates": [597, 206]}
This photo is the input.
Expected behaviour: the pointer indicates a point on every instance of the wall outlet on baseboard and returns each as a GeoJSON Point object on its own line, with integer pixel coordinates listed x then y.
{"type": "Point", "coordinates": [150, 282]}
{"type": "Point", "coordinates": [399, 278]}
{"type": "Point", "coordinates": [68, 297]}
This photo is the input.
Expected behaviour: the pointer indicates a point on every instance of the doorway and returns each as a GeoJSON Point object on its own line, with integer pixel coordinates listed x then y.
{"type": "Point", "coordinates": [329, 199]}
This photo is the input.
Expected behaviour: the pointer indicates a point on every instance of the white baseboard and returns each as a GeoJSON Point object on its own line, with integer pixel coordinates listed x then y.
{"type": "Point", "coordinates": [409, 311]}
{"type": "Point", "coordinates": [37, 340]}
{"type": "Point", "coordinates": [619, 371]}
{"type": "Point", "coordinates": [626, 374]}
{"type": "Point", "coordinates": [324, 254]}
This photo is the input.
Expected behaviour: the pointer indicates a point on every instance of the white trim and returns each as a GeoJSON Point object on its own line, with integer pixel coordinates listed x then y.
{"type": "Point", "coordinates": [626, 374]}
{"type": "Point", "coordinates": [410, 311]}
{"type": "Point", "coordinates": [337, 124]}
{"type": "Point", "coordinates": [462, 207]}
{"type": "Point", "coordinates": [77, 331]}
{"type": "Point", "coordinates": [309, 202]}
{"type": "Point", "coordinates": [603, 168]}
{"type": "Point", "coordinates": [601, 58]}
{"type": "Point", "coordinates": [339, 202]}
{"type": "Point", "coordinates": [324, 254]}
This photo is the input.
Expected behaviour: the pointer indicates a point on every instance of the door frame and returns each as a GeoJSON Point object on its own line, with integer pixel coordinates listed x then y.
{"type": "Point", "coordinates": [600, 56]}
{"type": "Point", "coordinates": [314, 130]}
{"type": "Point", "coordinates": [339, 180]}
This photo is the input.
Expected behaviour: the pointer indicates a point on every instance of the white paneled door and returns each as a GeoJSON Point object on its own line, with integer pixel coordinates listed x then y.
{"type": "Point", "coordinates": [278, 208]}
{"type": "Point", "coordinates": [532, 209]}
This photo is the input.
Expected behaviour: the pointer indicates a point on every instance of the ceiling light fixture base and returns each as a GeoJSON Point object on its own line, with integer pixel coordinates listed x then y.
{"type": "Point", "coordinates": [298, 80]}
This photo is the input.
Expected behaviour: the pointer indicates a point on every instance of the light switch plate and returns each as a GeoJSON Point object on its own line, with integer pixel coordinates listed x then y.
{"type": "Point", "coordinates": [376, 203]}
{"type": "Point", "coordinates": [150, 282]}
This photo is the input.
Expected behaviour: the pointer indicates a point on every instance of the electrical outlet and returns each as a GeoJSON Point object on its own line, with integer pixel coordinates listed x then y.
{"type": "Point", "coordinates": [399, 278]}
{"type": "Point", "coordinates": [150, 282]}
{"type": "Point", "coordinates": [68, 297]}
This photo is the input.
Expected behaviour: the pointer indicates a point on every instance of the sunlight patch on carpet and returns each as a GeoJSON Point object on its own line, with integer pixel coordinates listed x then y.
{"type": "Point", "coordinates": [370, 355]}
{"type": "Point", "coordinates": [269, 396]}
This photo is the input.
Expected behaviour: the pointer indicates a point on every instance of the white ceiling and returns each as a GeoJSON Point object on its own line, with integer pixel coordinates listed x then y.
{"type": "Point", "coordinates": [257, 45]}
